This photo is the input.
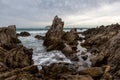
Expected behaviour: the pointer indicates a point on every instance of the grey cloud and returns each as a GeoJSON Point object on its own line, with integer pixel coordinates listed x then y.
{"type": "Point", "coordinates": [16, 11]}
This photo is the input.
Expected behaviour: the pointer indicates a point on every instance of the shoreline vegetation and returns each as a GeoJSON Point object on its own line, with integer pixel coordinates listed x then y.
{"type": "Point", "coordinates": [102, 42]}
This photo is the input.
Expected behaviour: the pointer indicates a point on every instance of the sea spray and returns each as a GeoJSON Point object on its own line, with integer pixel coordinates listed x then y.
{"type": "Point", "coordinates": [42, 57]}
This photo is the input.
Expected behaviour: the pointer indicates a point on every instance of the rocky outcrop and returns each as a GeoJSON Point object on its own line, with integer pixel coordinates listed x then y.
{"type": "Point", "coordinates": [15, 59]}
{"type": "Point", "coordinates": [54, 34]}
{"type": "Point", "coordinates": [39, 37]}
{"type": "Point", "coordinates": [18, 57]}
{"type": "Point", "coordinates": [104, 42]}
{"type": "Point", "coordinates": [62, 71]}
{"type": "Point", "coordinates": [23, 34]}
{"type": "Point", "coordinates": [21, 73]}
{"type": "Point", "coordinates": [57, 39]}
{"type": "Point", "coordinates": [57, 70]}
{"type": "Point", "coordinates": [8, 37]}
{"type": "Point", "coordinates": [94, 71]}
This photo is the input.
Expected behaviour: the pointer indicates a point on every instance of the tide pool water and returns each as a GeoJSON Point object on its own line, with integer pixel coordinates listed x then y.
{"type": "Point", "coordinates": [42, 57]}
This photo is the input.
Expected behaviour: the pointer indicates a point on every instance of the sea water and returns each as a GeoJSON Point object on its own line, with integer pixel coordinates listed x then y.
{"type": "Point", "coordinates": [42, 57]}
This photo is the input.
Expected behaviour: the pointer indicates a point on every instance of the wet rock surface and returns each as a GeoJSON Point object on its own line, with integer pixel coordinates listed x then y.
{"type": "Point", "coordinates": [39, 37]}
{"type": "Point", "coordinates": [105, 42]}
{"type": "Point", "coordinates": [15, 60]}
{"type": "Point", "coordinates": [57, 39]}
{"type": "Point", "coordinates": [23, 34]}
{"type": "Point", "coordinates": [57, 70]}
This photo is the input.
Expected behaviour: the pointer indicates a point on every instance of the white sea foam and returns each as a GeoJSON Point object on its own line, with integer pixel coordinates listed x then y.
{"type": "Point", "coordinates": [42, 57]}
{"type": "Point", "coordinates": [83, 63]}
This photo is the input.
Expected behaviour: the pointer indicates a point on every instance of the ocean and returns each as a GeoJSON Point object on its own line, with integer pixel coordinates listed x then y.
{"type": "Point", "coordinates": [42, 57]}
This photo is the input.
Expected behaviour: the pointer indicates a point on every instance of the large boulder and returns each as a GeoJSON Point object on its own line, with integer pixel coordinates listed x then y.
{"type": "Point", "coordinates": [23, 34]}
{"type": "Point", "coordinates": [19, 57]}
{"type": "Point", "coordinates": [8, 37]}
{"type": "Point", "coordinates": [71, 39]}
{"type": "Point", "coordinates": [58, 70]}
{"type": "Point", "coordinates": [39, 37]}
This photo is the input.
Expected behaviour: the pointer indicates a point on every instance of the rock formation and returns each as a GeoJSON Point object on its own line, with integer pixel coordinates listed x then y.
{"type": "Point", "coordinates": [39, 37]}
{"type": "Point", "coordinates": [62, 71]}
{"type": "Point", "coordinates": [54, 34]}
{"type": "Point", "coordinates": [23, 34]}
{"type": "Point", "coordinates": [57, 39]}
{"type": "Point", "coordinates": [105, 42]}
{"type": "Point", "coordinates": [8, 37]}
{"type": "Point", "coordinates": [15, 60]}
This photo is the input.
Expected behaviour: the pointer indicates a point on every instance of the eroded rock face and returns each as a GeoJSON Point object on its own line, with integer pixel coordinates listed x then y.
{"type": "Point", "coordinates": [8, 37]}
{"type": "Point", "coordinates": [15, 60]}
{"type": "Point", "coordinates": [58, 70]}
{"type": "Point", "coordinates": [57, 39]}
{"type": "Point", "coordinates": [54, 33]}
{"type": "Point", "coordinates": [66, 71]}
{"type": "Point", "coordinates": [18, 58]}
{"type": "Point", "coordinates": [106, 40]}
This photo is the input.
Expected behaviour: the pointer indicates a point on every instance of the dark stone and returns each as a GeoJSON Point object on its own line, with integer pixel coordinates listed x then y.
{"type": "Point", "coordinates": [57, 70]}
{"type": "Point", "coordinates": [3, 67]}
{"type": "Point", "coordinates": [19, 74]}
{"type": "Point", "coordinates": [85, 57]}
{"type": "Point", "coordinates": [8, 36]}
{"type": "Point", "coordinates": [39, 37]}
{"type": "Point", "coordinates": [17, 58]}
{"type": "Point", "coordinates": [23, 34]}
{"type": "Point", "coordinates": [93, 71]}
{"type": "Point", "coordinates": [74, 57]}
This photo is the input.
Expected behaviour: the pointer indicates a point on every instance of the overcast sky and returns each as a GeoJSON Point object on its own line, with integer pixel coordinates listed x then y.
{"type": "Point", "coordinates": [75, 13]}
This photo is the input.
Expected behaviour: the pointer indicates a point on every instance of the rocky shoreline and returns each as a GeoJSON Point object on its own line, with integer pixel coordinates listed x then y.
{"type": "Point", "coordinates": [105, 43]}
{"type": "Point", "coordinates": [15, 60]}
{"type": "Point", "coordinates": [102, 42]}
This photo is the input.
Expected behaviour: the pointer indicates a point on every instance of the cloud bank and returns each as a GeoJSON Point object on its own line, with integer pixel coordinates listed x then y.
{"type": "Point", "coordinates": [75, 13]}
